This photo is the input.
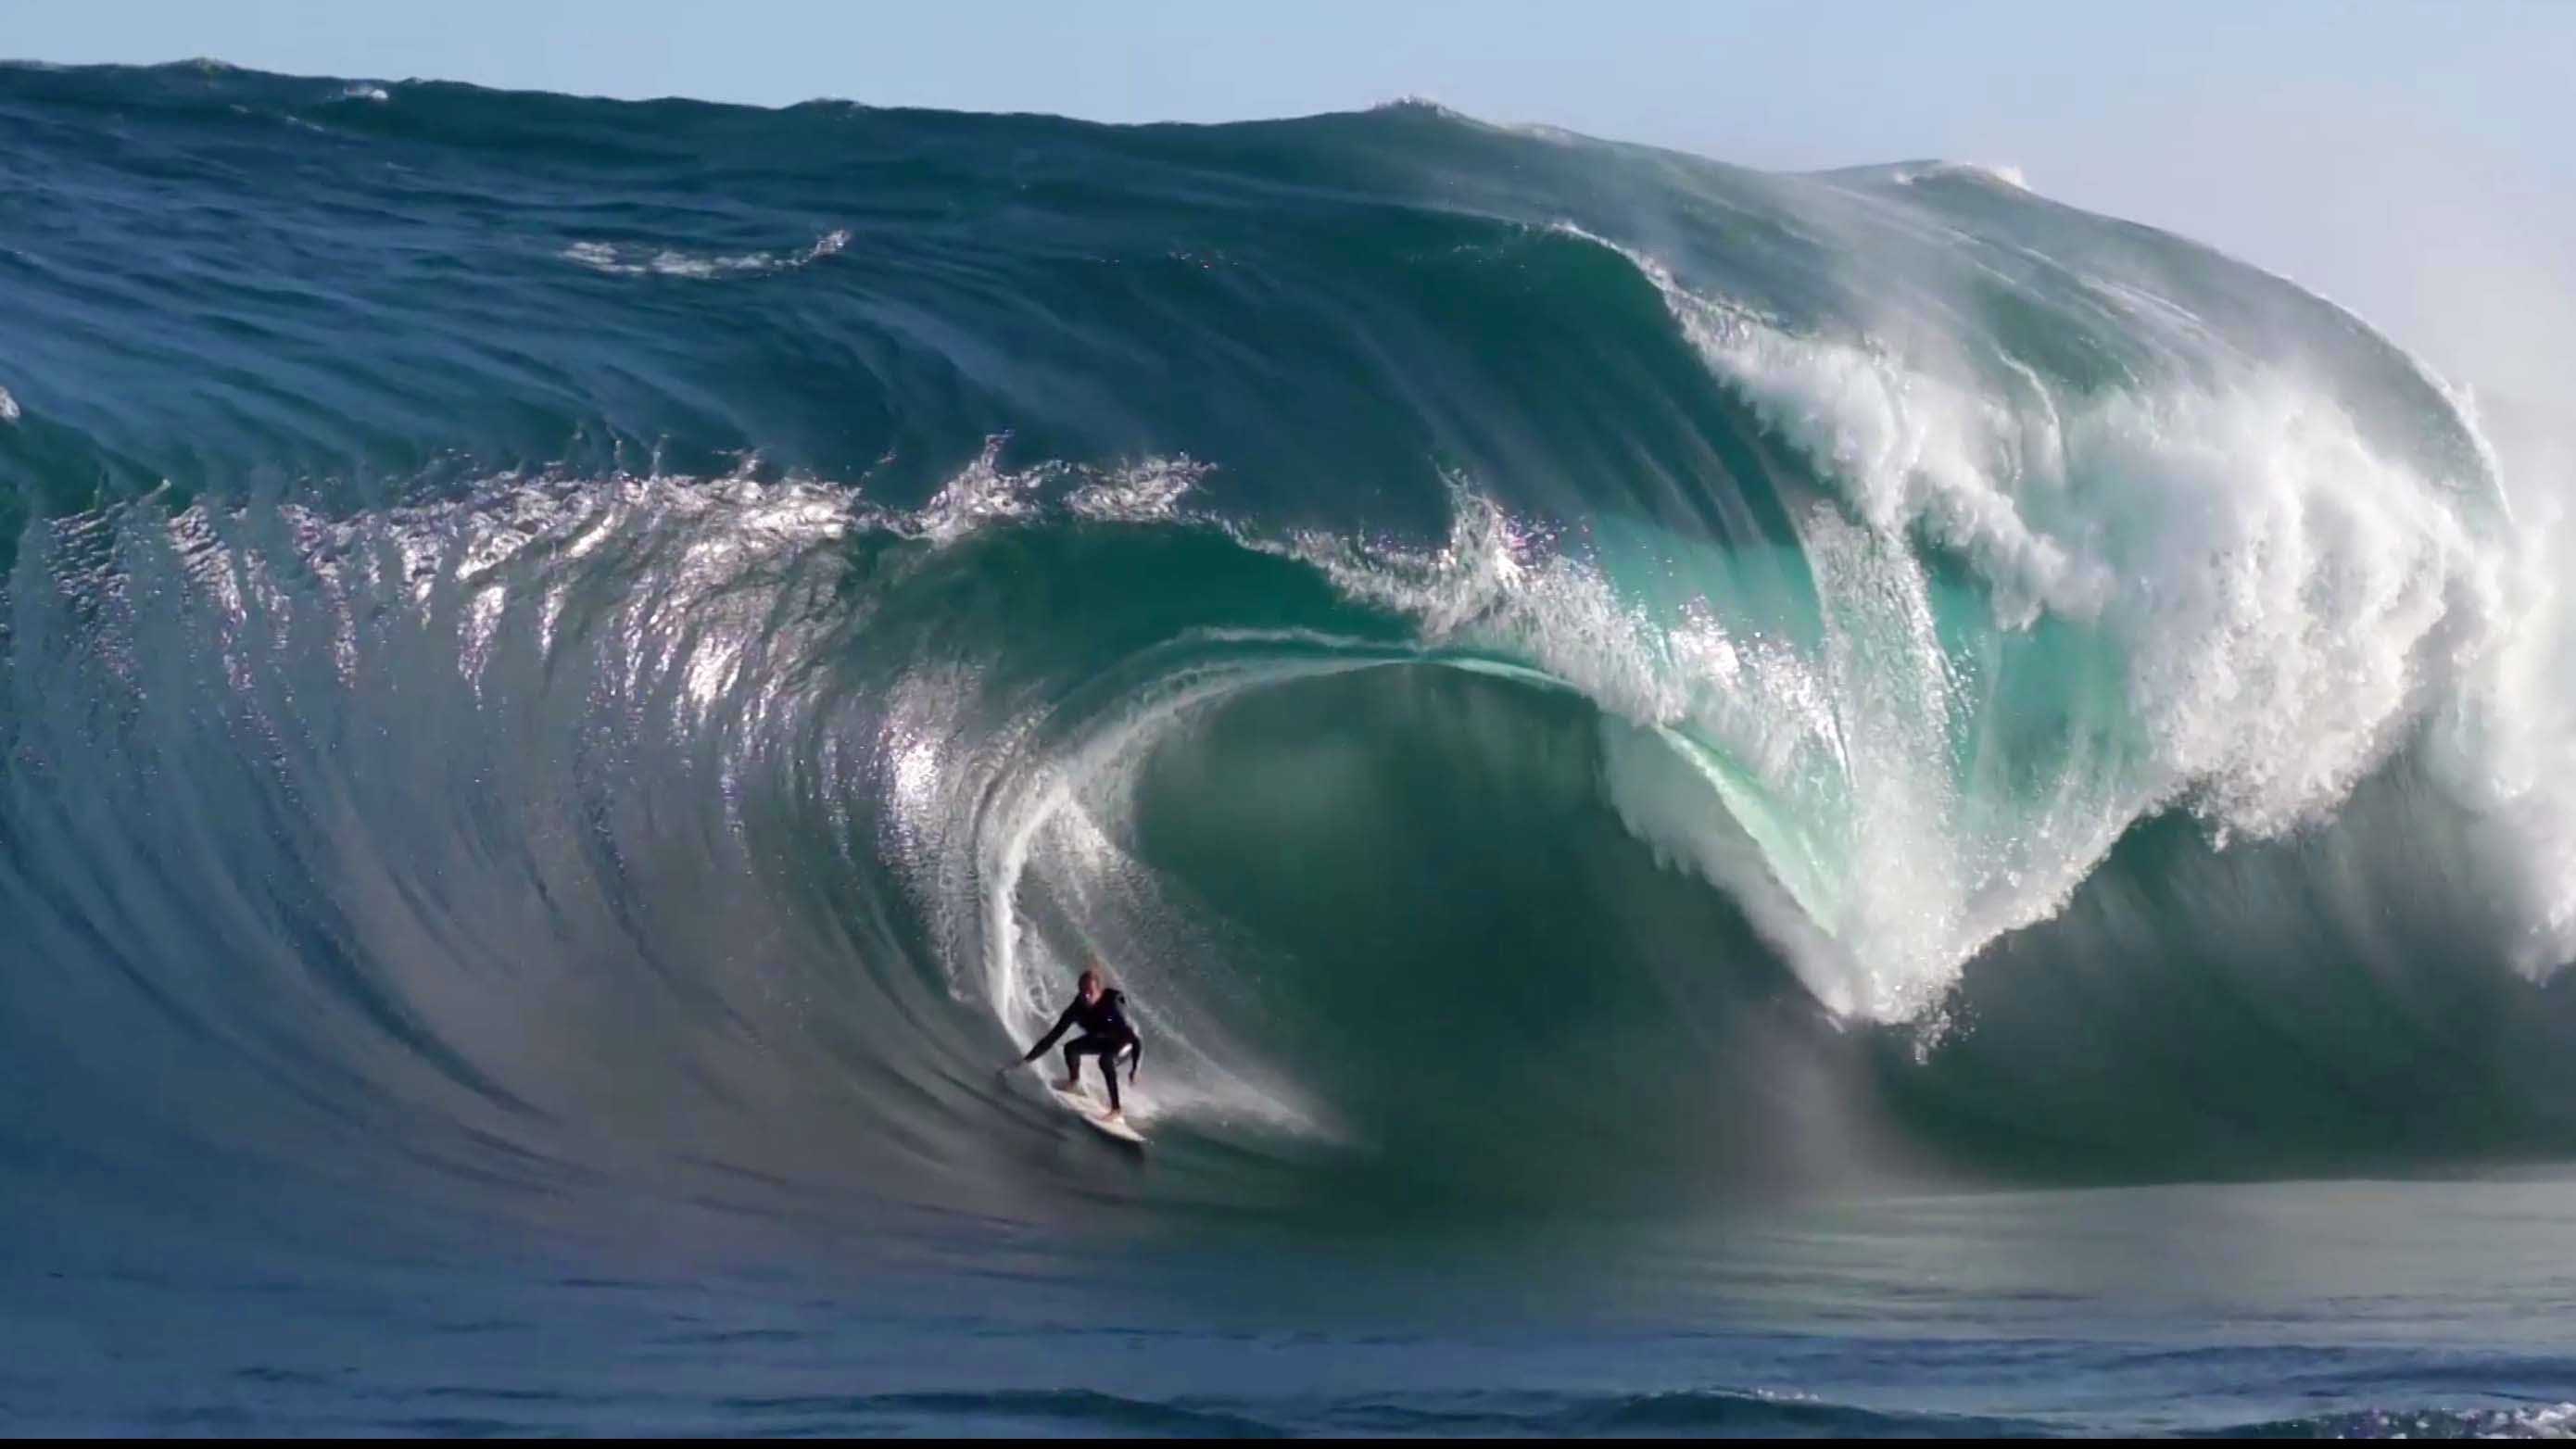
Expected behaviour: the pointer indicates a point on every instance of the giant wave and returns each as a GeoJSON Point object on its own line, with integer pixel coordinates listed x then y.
{"type": "Point", "coordinates": [559, 651]}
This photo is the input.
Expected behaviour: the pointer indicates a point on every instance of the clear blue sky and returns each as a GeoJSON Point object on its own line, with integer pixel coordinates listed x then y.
{"type": "Point", "coordinates": [2413, 159]}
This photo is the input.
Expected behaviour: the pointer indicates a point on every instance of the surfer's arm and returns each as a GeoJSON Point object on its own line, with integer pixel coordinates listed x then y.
{"type": "Point", "coordinates": [1063, 1024]}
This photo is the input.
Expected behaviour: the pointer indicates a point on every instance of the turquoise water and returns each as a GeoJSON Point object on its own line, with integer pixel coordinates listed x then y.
{"type": "Point", "coordinates": [1732, 802]}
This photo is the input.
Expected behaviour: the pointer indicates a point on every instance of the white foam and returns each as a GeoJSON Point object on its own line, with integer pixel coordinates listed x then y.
{"type": "Point", "coordinates": [2534, 1421]}
{"type": "Point", "coordinates": [980, 494]}
{"type": "Point", "coordinates": [1149, 492]}
{"type": "Point", "coordinates": [2289, 601]}
{"type": "Point", "coordinates": [2509, 742]}
{"type": "Point", "coordinates": [2001, 173]}
{"type": "Point", "coordinates": [2279, 603]}
{"type": "Point", "coordinates": [985, 493]}
{"type": "Point", "coordinates": [1908, 447]}
{"type": "Point", "coordinates": [631, 260]}
{"type": "Point", "coordinates": [8, 407]}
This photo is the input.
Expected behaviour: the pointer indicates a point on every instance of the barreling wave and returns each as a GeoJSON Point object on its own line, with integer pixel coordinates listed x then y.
{"type": "Point", "coordinates": [559, 647]}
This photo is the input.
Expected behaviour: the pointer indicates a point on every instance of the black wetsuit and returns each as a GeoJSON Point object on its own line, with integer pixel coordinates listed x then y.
{"type": "Point", "coordinates": [1105, 1034]}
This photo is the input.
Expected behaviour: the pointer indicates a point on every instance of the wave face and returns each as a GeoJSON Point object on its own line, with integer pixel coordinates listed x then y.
{"type": "Point", "coordinates": [561, 650]}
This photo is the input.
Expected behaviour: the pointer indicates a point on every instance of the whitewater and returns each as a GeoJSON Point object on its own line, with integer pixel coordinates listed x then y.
{"type": "Point", "coordinates": [575, 675]}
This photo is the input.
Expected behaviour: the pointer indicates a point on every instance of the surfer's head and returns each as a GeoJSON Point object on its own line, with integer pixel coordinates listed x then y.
{"type": "Point", "coordinates": [1089, 986]}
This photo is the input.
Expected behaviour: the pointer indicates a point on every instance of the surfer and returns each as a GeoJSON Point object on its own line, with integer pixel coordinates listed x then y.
{"type": "Point", "coordinates": [1102, 1014]}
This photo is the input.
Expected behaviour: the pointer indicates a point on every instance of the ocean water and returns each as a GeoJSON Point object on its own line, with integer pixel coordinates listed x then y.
{"type": "Point", "coordinates": [1731, 803]}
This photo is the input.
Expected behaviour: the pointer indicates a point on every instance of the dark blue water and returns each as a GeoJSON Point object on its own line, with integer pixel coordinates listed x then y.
{"type": "Point", "coordinates": [1732, 803]}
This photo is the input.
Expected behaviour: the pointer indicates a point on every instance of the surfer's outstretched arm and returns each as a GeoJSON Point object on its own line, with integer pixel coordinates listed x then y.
{"type": "Point", "coordinates": [1062, 1025]}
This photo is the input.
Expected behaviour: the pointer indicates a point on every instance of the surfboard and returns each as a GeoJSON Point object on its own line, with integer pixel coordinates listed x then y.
{"type": "Point", "coordinates": [1083, 1105]}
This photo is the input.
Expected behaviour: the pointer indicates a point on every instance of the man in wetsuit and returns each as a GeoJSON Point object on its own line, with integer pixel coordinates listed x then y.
{"type": "Point", "coordinates": [1102, 1015]}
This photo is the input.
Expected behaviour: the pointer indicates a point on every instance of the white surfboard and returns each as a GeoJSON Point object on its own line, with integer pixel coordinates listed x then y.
{"type": "Point", "coordinates": [1089, 1109]}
